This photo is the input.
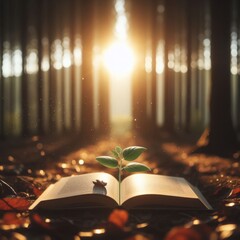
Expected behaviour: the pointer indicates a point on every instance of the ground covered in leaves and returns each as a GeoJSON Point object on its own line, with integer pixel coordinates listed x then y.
{"type": "Point", "coordinates": [27, 169]}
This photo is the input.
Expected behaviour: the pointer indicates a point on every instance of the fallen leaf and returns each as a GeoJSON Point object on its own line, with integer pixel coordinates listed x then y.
{"type": "Point", "coordinates": [14, 203]}
{"type": "Point", "coordinates": [182, 233]}
{"type": "Point", "coordinates": [13, 220]}
{"type": "Point", "coordinates": [222, 192]}
{"type": "Point", "coordinates": [40, 221]}
{"type": "Point", "coordinates": [195, 232]}
{"type": "Point", "coordinates": [118, 217]}
{"type": "Point", "coordinates": [37, 192]}
{"type": "Point", "coordinates": [235, 193]}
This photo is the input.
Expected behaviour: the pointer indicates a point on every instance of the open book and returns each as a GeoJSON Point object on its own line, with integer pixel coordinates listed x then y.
{"type": "Point", "coordinates": [137, 191]}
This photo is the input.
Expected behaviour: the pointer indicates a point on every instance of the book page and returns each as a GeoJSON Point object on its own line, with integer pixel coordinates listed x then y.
{"type": "Point", "coordinates": [150, 184]}
{"type": "Point", "coordinates": [81, 185]}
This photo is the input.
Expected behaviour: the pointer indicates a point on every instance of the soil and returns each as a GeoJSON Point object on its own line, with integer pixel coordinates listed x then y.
{"type": "Point", "coordinates": [28, 169]}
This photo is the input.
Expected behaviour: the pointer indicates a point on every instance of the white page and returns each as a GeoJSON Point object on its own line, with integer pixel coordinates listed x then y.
{"type": "Point", "coordinates": [139, 184]}
{"type": "Point", "coordinates": [80, 185]}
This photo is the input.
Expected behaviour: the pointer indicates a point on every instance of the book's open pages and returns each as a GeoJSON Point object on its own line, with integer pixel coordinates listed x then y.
{"type": "Point", "coordinates": [149, 190]}
{"type": "Point", "coordinates": [77, 191]}
{"type": "Point", "coordinates": [137, 191]}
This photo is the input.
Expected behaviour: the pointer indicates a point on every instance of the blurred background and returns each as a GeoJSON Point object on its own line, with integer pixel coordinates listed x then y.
{"type": "Point", "coordinates": [97, 67]}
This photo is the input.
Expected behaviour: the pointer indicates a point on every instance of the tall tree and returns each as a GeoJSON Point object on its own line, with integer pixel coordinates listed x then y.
{"type": "Point", "coordinates": [170, 29]}
{"type": "Point", "coordinates": [1, 76]}
{"type": "Point", "coordinates": [87, 73]}
{"type": "Point", "coordinates": [138, 28]}
{"type": "Point", "coordinates": [104, 34]}
{"type": "Point", "coordinates": [221, 138]}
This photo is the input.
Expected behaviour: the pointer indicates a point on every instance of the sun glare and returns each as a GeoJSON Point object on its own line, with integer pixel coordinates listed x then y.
{"type": "Point", "coordinates": [119, 58]}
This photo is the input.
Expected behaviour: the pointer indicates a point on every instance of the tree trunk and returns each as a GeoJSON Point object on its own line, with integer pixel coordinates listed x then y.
{"type": "Point", "coordinates": [221, 138]}
{"type": "Point", "coordinates": [138, 30]}
{"type": "Point", "coordinates": [87, 74]}
{"type": "Point", "coordinates": [169, 32]}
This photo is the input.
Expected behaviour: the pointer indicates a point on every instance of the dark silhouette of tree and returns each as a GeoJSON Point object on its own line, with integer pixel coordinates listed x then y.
{"type": "Point", "coordinates": [104, 32]}
{"type": "Point", "coordinates": [170, 29]}
{"type": "Point", "coordinates": [87, 74]}
{"type": "Point", "coordinates": [138, 28]}
{"type": "Point", "coordinates": [221, 138]}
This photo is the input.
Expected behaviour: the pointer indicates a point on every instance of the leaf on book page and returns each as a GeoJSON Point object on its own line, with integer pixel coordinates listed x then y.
{"type": "Point", "coordinates": [107, 161]}
{"type": "Point", "coordinates": [131, 153]}
{"type": "Point", "coordinates": [136, 167]}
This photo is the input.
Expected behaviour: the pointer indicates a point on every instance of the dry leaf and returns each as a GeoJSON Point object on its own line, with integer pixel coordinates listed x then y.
{"type": "Point", "coordinates": [14, 203]}
{"type": "Point", "coordinates": [195, 232]}
{"type": "Point", "coordinates": [235, 193]}
{"type": "Point", "coordinates": [118, 217]}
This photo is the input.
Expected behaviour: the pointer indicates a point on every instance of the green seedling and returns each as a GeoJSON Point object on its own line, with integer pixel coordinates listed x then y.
{"type": "Point", "coordinates": [120, 155]}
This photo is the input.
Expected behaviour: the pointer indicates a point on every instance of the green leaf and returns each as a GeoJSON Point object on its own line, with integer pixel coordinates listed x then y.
{"type": "Point", "coordinates": [107, 161]}
{"type": "Point", "coordinates": [131, 153]}
{"type": "Point", "coordinates": [136, 167]}
{"type": "Point", "coordinates": [117, 152]}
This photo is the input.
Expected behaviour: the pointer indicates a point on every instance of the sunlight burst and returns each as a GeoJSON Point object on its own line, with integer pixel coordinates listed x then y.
{"type": "Point", "coordinates": [119, 58]}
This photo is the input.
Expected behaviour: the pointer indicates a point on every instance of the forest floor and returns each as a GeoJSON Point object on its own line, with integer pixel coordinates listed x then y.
{"type": "Point", "coordinates": [27, 170]}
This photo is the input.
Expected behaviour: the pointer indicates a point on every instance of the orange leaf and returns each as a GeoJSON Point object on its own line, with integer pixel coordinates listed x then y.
{"type": "Point", "coordinates": [14, 203]}
{"type": "Point", "coordinates": [40, 221]}
{"type": "Point", "coordinates": [11, 218]}
{"type": "Point", "coordinates": [195, 232]}
{"type": "Point", "coordinates": [235, 193]}
{"type": "Point", "coordinates": [118, 217]}
{"type": "Point", "coordinates": [182, 233]}
{"type": "Point", "coordinates": [37, 192]}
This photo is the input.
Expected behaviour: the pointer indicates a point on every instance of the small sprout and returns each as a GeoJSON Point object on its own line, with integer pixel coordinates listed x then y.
{"type": "Point", "coordinates": [127, 154]}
